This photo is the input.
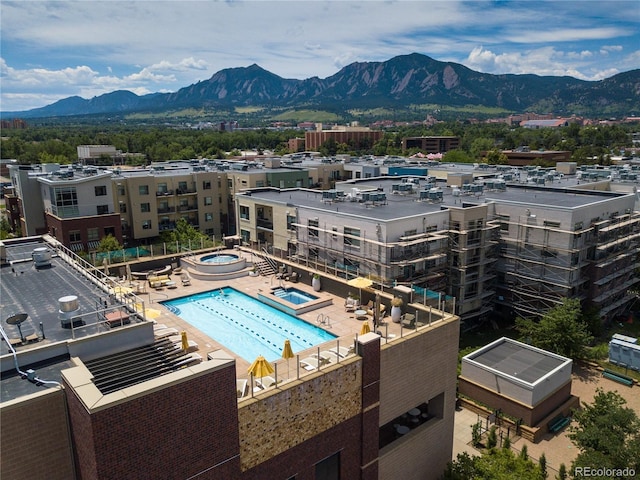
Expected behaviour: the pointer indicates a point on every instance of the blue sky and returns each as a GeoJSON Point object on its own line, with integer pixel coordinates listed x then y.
{"type": "Point", "coordinates": [53, 50]}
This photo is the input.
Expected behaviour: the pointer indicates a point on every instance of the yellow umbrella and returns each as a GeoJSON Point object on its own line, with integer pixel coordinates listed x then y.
{"type": "Point", "coordinates": [365, 327]}
{"type": "Point", "coordinates": [360, 283]}
{"type": "Point", "coordinates": [260, 367]}
{"type": "Point", "coordinates": [287, 353]}
{"type": "Point", "coordinates": [185, 341]}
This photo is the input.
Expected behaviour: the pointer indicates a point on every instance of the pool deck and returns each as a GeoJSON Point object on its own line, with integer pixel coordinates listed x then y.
{"type": "Point", "coordinates": [341, 323]}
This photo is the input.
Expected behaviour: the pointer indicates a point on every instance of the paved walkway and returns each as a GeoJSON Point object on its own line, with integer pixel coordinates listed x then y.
{"type": "Point", "coordinates": [556, 447]}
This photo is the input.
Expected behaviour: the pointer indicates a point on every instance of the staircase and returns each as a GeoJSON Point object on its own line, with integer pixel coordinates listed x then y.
{"type": "Point", "coordinates": [264, 268]}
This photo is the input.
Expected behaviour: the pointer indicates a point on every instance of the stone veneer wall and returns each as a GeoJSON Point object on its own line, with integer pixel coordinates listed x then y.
{"type": "Point", "coordinates": [281, 419]}
{"type": "Point", "coordinates": [413, 370]}
{"type": "Point", "coordinates": [34, 434]}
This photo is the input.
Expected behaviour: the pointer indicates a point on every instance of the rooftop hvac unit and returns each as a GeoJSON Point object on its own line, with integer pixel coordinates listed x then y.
{"type": "Point", "coordinates": [41, 257]}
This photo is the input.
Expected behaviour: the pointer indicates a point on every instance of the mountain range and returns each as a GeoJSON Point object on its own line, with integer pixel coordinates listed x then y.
{"type": "Point", "coordinates": [401, 84]}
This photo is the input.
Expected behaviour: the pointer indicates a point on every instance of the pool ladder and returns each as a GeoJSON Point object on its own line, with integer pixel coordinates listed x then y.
{"type": "Point", "coordinates": [323, 319]}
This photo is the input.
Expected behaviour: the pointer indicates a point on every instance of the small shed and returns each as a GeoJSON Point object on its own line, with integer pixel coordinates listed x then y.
{"type": "Point", "coordinates": [523, 381]}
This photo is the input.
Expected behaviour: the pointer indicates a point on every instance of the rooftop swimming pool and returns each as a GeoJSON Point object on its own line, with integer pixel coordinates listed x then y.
{"type": "Point", "coordinates": [245, 325]}
{"type": "Point", "coordinates": [293, 295]}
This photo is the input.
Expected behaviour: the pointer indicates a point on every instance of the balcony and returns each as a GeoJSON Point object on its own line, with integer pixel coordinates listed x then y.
{"type": "Point", "coordinates": [264, 223]}
{"type": "Point", "coordinates": [186, 208]}
{"type": "Point", "coordinates": [164, 193]}
{"type": "Point", "coordinates": [183, 191]}
{"type": "Point", "coordinates": [166, 209]}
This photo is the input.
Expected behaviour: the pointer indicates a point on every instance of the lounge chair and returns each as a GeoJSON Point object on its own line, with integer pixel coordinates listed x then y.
{"type": "Point", "coordinates": [330, 357]}
{"type": "Point", "coordinates": [369, 308]}
{"type": "Point", "coordinates": [408, 320]}
{"type": "Point", "coordinates": [165, 332]}
{"type": "Point", "coordinates": [177, 341]}
{"type": "Point", "coordinates": [242, 387]}
{"type": "Point", "coordinates": [351, 304]}
{"type": "Point", "coordinates": [342, 352]}
{"type": "Point", "coordinates": [185, 279]}
{"type": "Point", "coordinates": [265, 382]}
{"type": "Point", "coordinates": [310, 363]}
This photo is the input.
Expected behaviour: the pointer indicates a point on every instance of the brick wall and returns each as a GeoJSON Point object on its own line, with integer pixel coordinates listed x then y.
{"type": "Point", "coordinates": [530, 416]}
{"type": "Point", "coordinates": [34, 434]}
{"type": "Point", "coordinates": [181, 430]}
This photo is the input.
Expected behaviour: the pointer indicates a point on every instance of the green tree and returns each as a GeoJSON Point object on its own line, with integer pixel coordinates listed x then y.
{"type": "Point", "coordinates": [492, 438]}
{"type": "Point", "coordinates": [456, 156]}
{"type": "Point", "coordinates": [542, 462]}
{"type": "Point", "coordinates": [109, 244]}
{"type": "Point", "coordinates": [561, 330]}
{"type": "Point", "coordinates": [185, 234]}
{"type": "Point", "coordinates": [607, 433]}
{"type": "Point", "coordinates": [496, 464]}
{"type": "Point", "coordinates": [562, 472]}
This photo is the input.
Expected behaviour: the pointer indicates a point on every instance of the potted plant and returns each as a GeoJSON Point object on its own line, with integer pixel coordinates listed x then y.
{"type": "Point", "coordinates": [254, 272]}
{"type": "Point", "coordinates": [396, 309]}
{"type": "Point", "coordinates": [315, 282]}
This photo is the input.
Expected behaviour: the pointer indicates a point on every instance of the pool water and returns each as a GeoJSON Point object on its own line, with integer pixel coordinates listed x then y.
{"type": "Point", "coordinates": [219, 258]}
{"type": "Point", "coordinates": [245, 325]}
{"type": "Point", "coordinates": [294, 295]}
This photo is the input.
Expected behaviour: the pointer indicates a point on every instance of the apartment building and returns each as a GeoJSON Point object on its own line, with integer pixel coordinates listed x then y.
{"type": "Point", "coordinates": [431, 144]}
{"type": "Point", "coordinates": [358, 137]}
{"type": "Point", "coordinates": [519, 249]}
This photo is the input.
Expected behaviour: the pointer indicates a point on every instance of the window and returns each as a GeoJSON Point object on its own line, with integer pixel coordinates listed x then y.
{"type": "Point", "coordinates": [93, 234]}
{"type": "Point", "coordinates": [208, 200]}
{"type": "Point", "coordinates": [123, 208]}
{"type": "Point", "coordinates": [349, 234]}
{"type": "Point", "coordinates": [313, 224]}
{"type": "Point", "coordinates": [334, 233]}
{"type": "Point", "coordinates": [329, 468]}
{"type": "Point", "coordinates": [121, 190]}
{"type": "Point", "coordinates": [162, 188]}
{"type": "Point", "coordinates": [74, 236]}
{"type": "Point", "coordinates": [64, 202]}
{"type": "Point", "coordinates": [259, 183]}
{"type": "Point", "coordinates": [551, 224]}
{"type": "Point", "coordinates": [244, 212]}
{"type": "Point", "coordinates": [291, 219]}
{"type": "Point", "coordinates": [143, 189]}
{"type": "Point", "coordinates": [206, 184]}
{"type": "Point", "coordinates": [182, 187]}
{"type": "Point", "coordinates": [102, 209]}
{"type": "Point", "coordinates": [208, 217]}
{"type": "Point", "coordinates": [100, 190]}
{"type": "Point", "coordinates": [146, 225]}
{"type": "Point", "coordinates": [145, 207]}
{"type": "Point", "coordinates": [409, 233]}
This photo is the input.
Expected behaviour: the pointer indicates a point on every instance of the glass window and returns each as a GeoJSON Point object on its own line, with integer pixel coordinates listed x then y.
{"type": "Point", "coordinates": [100, 190]}
{"type": "Point", "coordinates": [208, 200]}
{"type": "Point", "coordinates": [182, 187]}
{"type": "Point", "coordinates": [102, 209]}
{"type": "Point", "coordinates": [329, 468]}
{"type": "Point", "coordinates": [74, 236]}
{"type": "Point", "coordinates": [146, 224]}
{"type": "Point", "coordinates": [313, 227]}
{"type": "Point", "coordinates": [291, 219]}
{"type": "Point", "coordinates": [121, 190]}
{"type": "Point", "coordinates": [206, 185]}
{"type": "Point", "coordinates": [93, 234]}
{"type": "Point", "coordinates": [162, 188]}
{"type": "Point", "coordinates": [143, 189]}
{"type": "Point", "coordinates": [64, 202]}
{"type": "Point", "coordinates": [145, 207]}
{"type": "Point", "coordinates": [244, 212]}
{"type": "Point", "coordinates": [208, 217]}
{"type": "Point", "coordinates": [350, 235]}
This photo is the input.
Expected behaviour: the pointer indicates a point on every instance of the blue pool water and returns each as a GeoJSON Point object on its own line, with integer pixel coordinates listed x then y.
{"type": "Point", "coordinates": [219, 258]}
{"type": "Point", "coordinates": [294, 295]}
{"type": "Point", "coordinates": [245, 325]}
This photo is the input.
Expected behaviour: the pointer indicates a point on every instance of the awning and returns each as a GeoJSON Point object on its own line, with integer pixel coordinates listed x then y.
{"type": "Point", "coordinates": [93, 245]}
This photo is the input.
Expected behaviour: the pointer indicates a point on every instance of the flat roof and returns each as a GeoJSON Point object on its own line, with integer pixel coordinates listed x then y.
{"type": "Point", "coordinates": [517, 360]}
{"type": "Point", "coordinates": [409, 204]}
